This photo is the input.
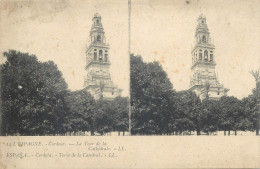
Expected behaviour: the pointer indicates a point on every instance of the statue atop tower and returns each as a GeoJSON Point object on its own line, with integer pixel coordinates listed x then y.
{"type": "Point", "coordinates": [203, 65]}
{"type": "Point", "coordinates": [97, 79]}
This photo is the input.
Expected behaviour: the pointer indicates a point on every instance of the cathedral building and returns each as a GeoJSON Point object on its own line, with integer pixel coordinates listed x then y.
{"type": "Point", "coordinates": [204, 80]}
{"type": "Point", "coordinates": [97, 80]}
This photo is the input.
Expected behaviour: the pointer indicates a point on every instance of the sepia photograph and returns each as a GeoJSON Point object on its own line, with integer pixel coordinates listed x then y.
{"type": "Point", "coordinates": [193, 72]}
{"type": "Point", "coordinates": [69, 75]}
{"type": "Point", "coordinates": [195, 67]}
{"type": "Point", "coordinates": [132, 83]}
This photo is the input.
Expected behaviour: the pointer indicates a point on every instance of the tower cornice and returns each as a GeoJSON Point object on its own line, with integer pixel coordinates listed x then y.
{"type": "Point", "coordinates": [207, 63]}
{"type": "Point", "coordinates": [98, 45]}
{"type": "Point", "coordinates": [98, 30]}
{"type": "Point", "coordinates": [203, 45]}
{"type": "Point", "coordinates": [97, 63]}
{"type": "Point", "coordinates": [201, 30]}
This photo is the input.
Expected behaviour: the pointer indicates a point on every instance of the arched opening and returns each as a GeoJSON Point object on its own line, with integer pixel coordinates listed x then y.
{"type": "Point", "coordinates": [99, 38]}
{"type": "Point", "coordinates": [200, 55]}
{"type": "Point", "coordinates": [211, 57]}
{"type": "Point", "coordinates": [206, 55]}
{"type": "Point", "coordinates": [106, 56]}
{"type": "Point", "coordinates": [95, 54]}
{"type": "Point", "coordinates": [204, 39]}
{"type": "Point", "coordinates": [100, 55]}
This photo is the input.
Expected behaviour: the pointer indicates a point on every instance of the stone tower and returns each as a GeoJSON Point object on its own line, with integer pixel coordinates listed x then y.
{"type": "Point", "coordinates": [203, 65]}
{"type": "Point", "coordinates": [97, 79]}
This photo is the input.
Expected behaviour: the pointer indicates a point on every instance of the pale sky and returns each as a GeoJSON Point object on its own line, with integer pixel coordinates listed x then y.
{"type": "Point", "coordinates": [164, 31]}
{"type": "Point", "coordinates": [160, 30]}
{"type": "Point", "coordinates": [59, 31]}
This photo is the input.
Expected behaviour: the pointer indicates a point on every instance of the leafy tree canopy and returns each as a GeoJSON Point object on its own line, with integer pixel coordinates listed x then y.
{"type": "Point", "coordinates": [32, 95]}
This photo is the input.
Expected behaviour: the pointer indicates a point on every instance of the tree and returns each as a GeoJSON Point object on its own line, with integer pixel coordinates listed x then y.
{"type": "Point", "coordinates": [104, 116]}
{"type": "Point", "coordinates": [207, 88]}
{"type": "Point", "coordinates": [210, 116]}
{"type": "Point", "coordinates": [186, 116]}
{"type": "Point", "coordinates": [251, 113]}
{"type": "Point", "coordinates": [101, 87]}
{"type": "Point", "coordinates": [81, 111]}
{"type": "Point", "coordinates": [151, 97]}
{"type": "Point", "coordinates": [210, 111]}
{"type": "Point", "coordinates": [120, 107]}
{"type": "Point", "coordinates": [111, 115]}
{"type": "Point", "coordinates": [231, 113]}
{"type": "Point", "coordinates": [32, 94]}
{"type": "Point", "coordinates": [256, 75]}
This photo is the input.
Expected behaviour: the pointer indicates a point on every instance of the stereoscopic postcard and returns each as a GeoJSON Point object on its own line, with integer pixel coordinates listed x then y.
{"type": "Point", "coordinates": [129, 84]}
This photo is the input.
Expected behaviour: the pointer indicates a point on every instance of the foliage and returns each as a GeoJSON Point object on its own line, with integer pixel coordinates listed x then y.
{"type": "Point", "coordinates": [81, 111]}
{"type": "Point", "coordinates": [151, 97]}
{"type": "Point", "coordinates": [111, 115]}
{"type": "Point", "coordinates": [256, 93]}
{"type": "Point", "coordinates": [256, 75]}
{"type": "Point", "coordinates": [35, 101]}
{"type": "Point", "coordinates": [232, 114]}
{"type": "Point", "coordinates": [187, 116]}
{"type": "Point", "coordinates": [251, 111]}
{"type": "Point", "coordinates": [210, 115]}
{"type": "Point", "coordinates": [32, 95]}
{"type": "Point", "coordinates": [207, 88]}
{"type": "Point", "coordinates": [120, 107]}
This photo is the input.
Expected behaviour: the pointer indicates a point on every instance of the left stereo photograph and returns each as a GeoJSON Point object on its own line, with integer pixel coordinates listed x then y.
{"type": "Point", "coordinates": [64, 68]}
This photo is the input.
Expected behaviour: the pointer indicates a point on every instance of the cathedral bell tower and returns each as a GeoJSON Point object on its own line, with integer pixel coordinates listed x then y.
{"type": "Point", "coordinates": [203, 64]}
{"type": "Point", "coordinates": [97, 79]}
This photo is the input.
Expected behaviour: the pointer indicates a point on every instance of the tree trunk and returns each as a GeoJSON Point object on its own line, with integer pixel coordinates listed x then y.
{"type": "Point", "coordinates": [235, 132]}
{"type": "Point", "coordinates": [257, 104]}
{"type": "Point", "coordinates": [225, 133]}
{"type": "Point", "coordinates": [123, 133]}
{"type": "Point", "coordinates": [92, 133]}
{"type": "Point", "coordinates": [257, 125]}
{"type": "Point", "coordinates": [119, 133]}
{"type": "Point", "coordinates": [229, 132]}
{"type": "Point", "coordinates": [198, 132]}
